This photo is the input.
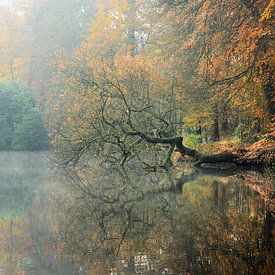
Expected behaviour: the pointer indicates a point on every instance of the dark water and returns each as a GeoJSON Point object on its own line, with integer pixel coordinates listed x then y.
{"type": "Point", "coordinates": [132, 222]}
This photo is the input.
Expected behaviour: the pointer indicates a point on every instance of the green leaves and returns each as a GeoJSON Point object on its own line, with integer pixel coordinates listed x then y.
{"type": "Point", "coordinates": [30, 134]}
{"type": "Point", "coordinates": [21, 125]}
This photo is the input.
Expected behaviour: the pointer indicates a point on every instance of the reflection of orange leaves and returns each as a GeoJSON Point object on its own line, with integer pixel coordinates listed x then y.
{"type": "Point", "coordinates": [61, 66]}
{"type": "Point", "coordinates": [259, 113]}
{"type": "Point", "coordinates": [188, 43]}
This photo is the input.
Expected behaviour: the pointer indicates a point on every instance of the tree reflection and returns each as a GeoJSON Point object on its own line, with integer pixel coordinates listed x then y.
{"type": "Point", "coordinates": [99, 221]}
{"type": "Point", "coordinates": [218, 224]}
{"type": "Point", "coordinates": [20, 176]}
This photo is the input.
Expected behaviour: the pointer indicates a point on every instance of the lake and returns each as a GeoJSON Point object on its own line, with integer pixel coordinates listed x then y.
{"type": "Point", "coordinates": [98, 221]}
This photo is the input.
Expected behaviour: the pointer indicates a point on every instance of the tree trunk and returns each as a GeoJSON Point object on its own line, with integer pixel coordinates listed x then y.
{"type": "Point", "coordinates": [269, 96]}
{"type": "Point", "coordinates": [224, 124]}
{"type": "Point", "coordinates": [216, 132]}
{"type": "Point", "coordinates": [267, 230]}
{"type": "Point", "coordinates": [176, 142]}
{"type": "Point", "coordinates": [131, 22]}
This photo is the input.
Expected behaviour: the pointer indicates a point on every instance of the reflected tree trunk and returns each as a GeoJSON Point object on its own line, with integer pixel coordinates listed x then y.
{"type": "Point", "coordinates": [11, 238]}
{"type": "Point", "coordinates": [268, 229]}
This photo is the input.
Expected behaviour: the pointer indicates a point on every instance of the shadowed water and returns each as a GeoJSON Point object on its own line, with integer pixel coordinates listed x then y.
{"type": "Point", "coordinates": [132, 222]}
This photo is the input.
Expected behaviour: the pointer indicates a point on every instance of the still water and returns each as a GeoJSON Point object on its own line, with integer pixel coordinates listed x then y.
{"type": "Point", "coordinates": [132, 222]}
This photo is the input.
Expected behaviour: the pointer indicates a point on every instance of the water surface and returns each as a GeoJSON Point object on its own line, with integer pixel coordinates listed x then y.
{"type": "Point", "coordinates": [132, 222]}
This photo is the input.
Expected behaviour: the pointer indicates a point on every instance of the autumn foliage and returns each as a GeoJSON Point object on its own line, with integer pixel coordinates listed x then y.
{"type": "Point", "coordinates": [206, 66]}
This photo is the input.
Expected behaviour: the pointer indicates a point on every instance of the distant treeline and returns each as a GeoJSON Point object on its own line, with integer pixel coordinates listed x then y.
{"type": "Point", "coordinates": [21, 124]}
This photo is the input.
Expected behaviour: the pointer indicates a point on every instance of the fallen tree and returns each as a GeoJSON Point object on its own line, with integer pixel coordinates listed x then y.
{"type": "Point", "coordinates": [120, 117]}
{"type": "Point", "coordinates": [176, 143]}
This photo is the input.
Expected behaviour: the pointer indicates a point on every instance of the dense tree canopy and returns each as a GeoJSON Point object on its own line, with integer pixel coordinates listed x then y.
{"type": "Point", "coordinates": [140, 77]}
{"type": "Point", "coordinates": [121, 75]}
{"type": "Point", "coordinates": [21, 125]}
{"type": "Point", "coordinates": [228, 47]}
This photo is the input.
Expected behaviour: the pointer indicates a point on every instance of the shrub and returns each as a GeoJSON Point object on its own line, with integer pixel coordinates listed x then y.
{"type": "Point", "coordinates": [192, 140]}
{"type": "Point", "coordinates": [30, 134]}
{"type": "Point", "coordinates": [21, 125]}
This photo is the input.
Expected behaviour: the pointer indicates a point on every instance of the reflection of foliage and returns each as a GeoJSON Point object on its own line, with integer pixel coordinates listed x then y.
{"type": "Point", "coordinates": [217, 227]}
{"type": "Point", "coordinates": [13, 232]}
{"type": "Point", "coordinates": [20, 176]}
{"type": "Point", "coordinates": [229, 227]}
{"type": "Point", "coordinates": [114, 219]}
{"type": "Point", "coordinates": [198, 224]}
{"type": "Point", "coordinates": [16, 197]}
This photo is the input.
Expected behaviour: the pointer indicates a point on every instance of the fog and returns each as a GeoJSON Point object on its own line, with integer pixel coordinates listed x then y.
{"type": "Point", "coordinates": [135, 135]}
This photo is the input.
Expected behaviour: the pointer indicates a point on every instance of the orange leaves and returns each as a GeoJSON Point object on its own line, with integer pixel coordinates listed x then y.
{"type": "Point", "coordinates": [134, 65]}
{"type": "Point", "coordinates": [202, 119]}
{"type": "Point", "coordinates": [108, 29]}
{"type": "Point", "coordinates": [188, 43]}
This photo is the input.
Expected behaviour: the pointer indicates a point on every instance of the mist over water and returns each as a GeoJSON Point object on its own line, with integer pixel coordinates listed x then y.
{"type": "Point", "coordinates": [52, 222]}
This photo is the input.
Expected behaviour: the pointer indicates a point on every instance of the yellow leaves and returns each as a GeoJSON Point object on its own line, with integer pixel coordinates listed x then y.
{"type": "Point", "coordinates": [203, 119]}
{"type": "Point", "coordinates": [268, 13]}
{"type": "Point", "coordinates": [127, 64]}
{"type": "Point", "coordinates": [108, 29]}
{"type": "Point", "coordinates": [14, 55]}
{"type": "Point", "coordinates": [10, 252]}
{"type": "Point", "coordinates": [259, 113]}
{"type": "Point", "coordinates": [196, 193]}
{"type": "Point", "coordinates": [144, 73]}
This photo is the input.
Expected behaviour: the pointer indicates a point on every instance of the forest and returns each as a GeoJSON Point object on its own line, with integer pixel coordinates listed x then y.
{"type": "Point", "coordinates": [116, 79]}
{"type": "Point", "coordinates": [137, 137]}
